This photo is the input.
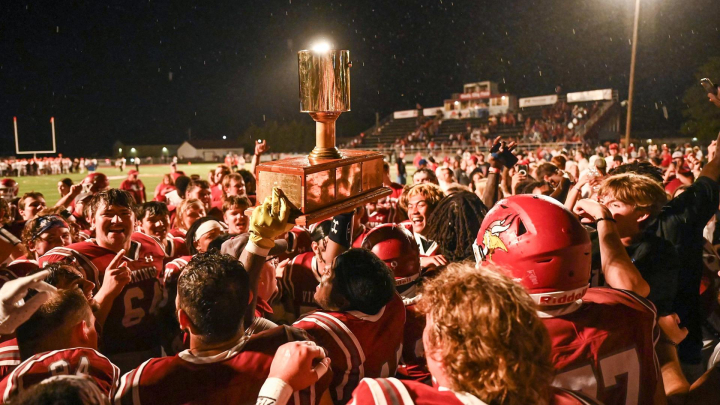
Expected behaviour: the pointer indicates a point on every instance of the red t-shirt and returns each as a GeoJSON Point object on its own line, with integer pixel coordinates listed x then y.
{"type": "Point", "coordinates": [135, 188]}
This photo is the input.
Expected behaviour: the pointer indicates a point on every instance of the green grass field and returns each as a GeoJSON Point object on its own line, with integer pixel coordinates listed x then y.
{"type": "Point", "coordinates": [150, 175]}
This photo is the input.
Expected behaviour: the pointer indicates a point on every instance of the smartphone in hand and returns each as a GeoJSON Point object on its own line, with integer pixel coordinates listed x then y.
{"type": "Point", "coordinates": [709, 87]}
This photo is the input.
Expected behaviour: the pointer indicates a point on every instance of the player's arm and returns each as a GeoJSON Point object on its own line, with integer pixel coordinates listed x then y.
{"type": "Point", "coordinates": [68, 198]}
{"type": "Point", "coordinates": [618, 268]}
{"type": "Point", "coordinates": [712, 168]}
{"type": "Point", "coordinates": [500, 159]}
{"type": "Point", "coordinates": [268, 221]}
{"type": "Point", "coordinates": [296, 366]}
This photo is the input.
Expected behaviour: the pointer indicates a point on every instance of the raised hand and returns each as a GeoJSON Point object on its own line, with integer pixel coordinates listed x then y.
{"type": "Point", "coordinates": [293, 363]}
{"type": "Point", "coordinates": [14, 311]}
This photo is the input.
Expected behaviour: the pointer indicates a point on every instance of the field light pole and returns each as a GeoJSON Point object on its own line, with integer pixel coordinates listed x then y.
{"type": "Point", "coordinates": [631, 89]}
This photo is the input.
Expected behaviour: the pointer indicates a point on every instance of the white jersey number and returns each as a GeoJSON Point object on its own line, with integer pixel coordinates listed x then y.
{"type": "Point", "coordinates": [584, 378]}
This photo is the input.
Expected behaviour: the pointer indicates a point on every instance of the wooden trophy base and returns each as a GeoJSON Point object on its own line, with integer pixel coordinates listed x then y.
{"type": "Point", "coordinates": [323, 188]}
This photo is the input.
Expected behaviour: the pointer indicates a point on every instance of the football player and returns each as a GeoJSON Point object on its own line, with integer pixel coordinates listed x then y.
{"type": "Point", "coordinates": [597, 334]}
{"type": "Point", "coordinates": [223, 364]}
{"type": "Point", "coordinates": [303, 273]}
{"type": "Point", "coordinates": [395, 245]}
{"type": "Point", "coordinates": [30, 204]}
{"type": "Point", "coordinates": [420, 201]}
{"type": "Point", "coordinates": [154, 221]}
{"type": "Point", "coordinates": [8, 189]}
{"type": "Point", "coordinates": [362, 317]}
{"type": "Point", "coordinates": [233, 208]}
{"type": "Point", "coordinates": [60, 339]}
{"type": "Point", "coordinates": [484, 345]}
{"type": "Point", "coordinates": [40, 235]}
{"type": "Point", "coordinates": [129, 334]}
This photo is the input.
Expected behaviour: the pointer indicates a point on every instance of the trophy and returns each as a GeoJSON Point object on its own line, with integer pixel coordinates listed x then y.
{"type": "Point", "coordinates": [328, 181]}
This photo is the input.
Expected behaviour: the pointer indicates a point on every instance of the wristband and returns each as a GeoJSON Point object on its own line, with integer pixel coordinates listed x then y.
{"type": "Point", "coordinates": [341, 230]}
{"type": "Point", "coordinates": [494, 170]}
{"type": "Point", "coordinates": [274, 391]}
{"type": "Point", "coordinates": [256, 250]}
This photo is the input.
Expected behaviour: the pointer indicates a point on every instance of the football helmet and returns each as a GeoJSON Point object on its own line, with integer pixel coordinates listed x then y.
{"type": "Point", "coordinates": [396, 246]}
{"type": "Point", "coordinates": [8, 189]}
{"type": "Point", "coordinates": [95, 183]}
{"type": "Point", "coordinates": [540, 244]}
{"type": "Point", "coordinates": [301, 243]}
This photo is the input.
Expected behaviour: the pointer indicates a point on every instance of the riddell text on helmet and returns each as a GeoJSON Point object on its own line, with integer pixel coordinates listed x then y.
{"type": "Point", "coordinates": [563, 297]}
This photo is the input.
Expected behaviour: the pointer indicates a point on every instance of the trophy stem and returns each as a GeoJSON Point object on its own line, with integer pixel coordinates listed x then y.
{"type": "Point", "coordinates": [325, 135]}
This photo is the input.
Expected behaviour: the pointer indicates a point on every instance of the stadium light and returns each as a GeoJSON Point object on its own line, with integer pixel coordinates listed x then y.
{"type": "Point", "coordinates": [694, 139]}
{"type": "Point", "coordinates": [649, 140]}
{"type": "Point", "coordinates": [119, 150]}
{"type": "Point", "coordinates": [322, 46]}
{"type": "Point", "coordinates": [164, 149]}
{"type": "Point", "coordinates": [224, 137]}
{"type": "Point", "coordinates": [132, 150]}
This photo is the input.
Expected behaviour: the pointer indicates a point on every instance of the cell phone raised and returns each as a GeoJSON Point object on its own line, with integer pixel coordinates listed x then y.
{"type": "Point", "coordinates": [709, 87]}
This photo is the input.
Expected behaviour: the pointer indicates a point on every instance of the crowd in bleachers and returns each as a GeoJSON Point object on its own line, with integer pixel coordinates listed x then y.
{"type": "Point", "coordinates": [559, 123]}
{"type": "Point", "coordinates": [503, 277]}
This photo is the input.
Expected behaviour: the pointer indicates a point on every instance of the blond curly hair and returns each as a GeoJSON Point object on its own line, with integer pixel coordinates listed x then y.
{"type": "Point", "coordinates": [492, 343]}
{"type": "Point", "coordinates": [431, 192]}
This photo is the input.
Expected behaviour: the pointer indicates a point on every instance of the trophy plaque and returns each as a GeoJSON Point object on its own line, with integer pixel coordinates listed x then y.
{"type": "Point", "coordinates": [328, 181]}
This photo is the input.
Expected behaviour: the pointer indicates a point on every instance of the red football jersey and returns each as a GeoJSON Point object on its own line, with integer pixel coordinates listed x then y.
{"type": "Point", "coordinates": [77, 361]}
{"type": "Point", "coordinates": [131, 324]}
{"type": "Point", "coordinates": [359, 345]}
{"type": "Point", "coordinates": [299, 282]}
{"type": "Point", "coordinates": [391, 391]}
{"type": "Point", "coordinates": [178, 233]}
{"type": "Point", "coordinates": [173, 247]}
{"type": "Point", "coordinates": [606, 347]}
{"type": "Point", "coordinates": [413, 364]}
{"type": "Point", "coordinates": [9, 357]}
{"type": "Point", "coordinates": [173, 270]}
{"type": "Point", "coordinates": [232, 377]}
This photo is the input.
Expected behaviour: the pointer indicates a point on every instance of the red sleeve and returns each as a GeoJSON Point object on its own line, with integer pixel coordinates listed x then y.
{"type": "Point", "coordinates": [363, 395]}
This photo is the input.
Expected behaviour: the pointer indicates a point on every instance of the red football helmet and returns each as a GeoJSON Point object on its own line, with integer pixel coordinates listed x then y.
{"type": "Point", "coordinates": [8, 189]}
{"type": "Point", "coordinates": [395, 245]}
{"type": "Point", "coordinates": [95, 183]}
{"type": "Point", "coordinates": [301, 243]}
{"type": "Point", "coordinates": [540, 244]}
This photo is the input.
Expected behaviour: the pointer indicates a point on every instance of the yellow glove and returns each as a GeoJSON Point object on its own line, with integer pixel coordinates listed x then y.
{"type": "Point", "coordinates": [269, 221]}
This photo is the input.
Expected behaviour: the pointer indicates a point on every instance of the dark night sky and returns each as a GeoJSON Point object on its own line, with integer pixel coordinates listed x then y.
{"type": "Point", "coordinates": [102, 68]}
